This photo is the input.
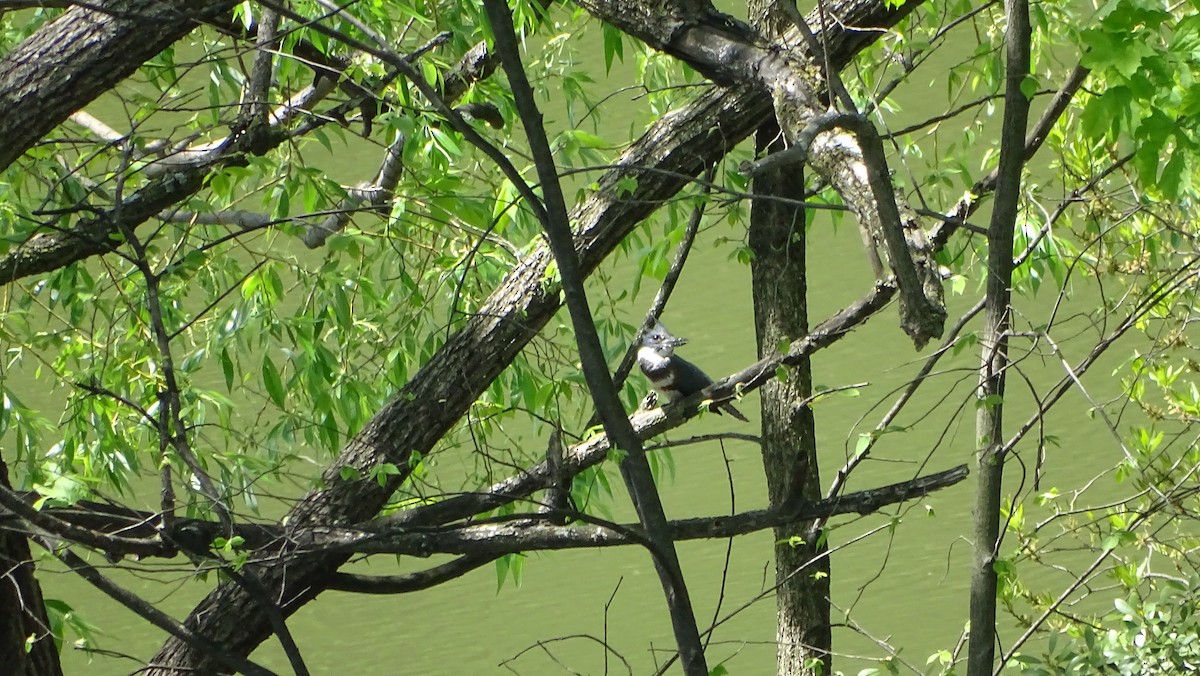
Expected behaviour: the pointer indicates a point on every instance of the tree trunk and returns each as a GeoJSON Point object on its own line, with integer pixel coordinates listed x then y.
{"type": "Point", "coordinates": [22, 610]}
{"type": "Point", "coordinates": [789, 448]}
{"type": "Point", "coordinates": [994, 345]}
{"type": "Point", "coordinates": [789, 443]}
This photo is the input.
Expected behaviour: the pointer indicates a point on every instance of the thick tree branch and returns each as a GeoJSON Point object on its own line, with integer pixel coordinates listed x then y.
{"type": "Point", "coordinates": [174, 178]}
{"type": "Point", "coordinates": [115, 544]}
{"type": "Point", "coordinates": [481, 540]}
{"type": "Point", "coordinates": [27, 643]}
{"type": "Point", "coordinates": [81, 55]}
{"type": "Point", "coordinates": [158, 618]}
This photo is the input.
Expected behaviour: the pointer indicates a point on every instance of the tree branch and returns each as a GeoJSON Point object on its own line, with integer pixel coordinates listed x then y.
{"type": "Point", "coordinates": [377, 194]}
{"type": "Point", "coordinates": [635, 468]}
{"type": "Point", "coordinates": [522, 533]}
{"type": "Point", "coordinates": [403, 584]}
{"type": "Point", "coordinates": [157, 617]}
{"type": "Point", "coordinates": [482, 540]}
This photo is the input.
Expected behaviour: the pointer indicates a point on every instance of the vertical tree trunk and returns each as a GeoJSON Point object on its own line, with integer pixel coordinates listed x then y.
{"type": "Point", "coordinates": [22, 611]}
{"type": "Point", "coordinates": [777, 239]}
{"type": "Point", "coordinates": [994, 362]}
{"type": "Point", "coordinates": [789, 441]}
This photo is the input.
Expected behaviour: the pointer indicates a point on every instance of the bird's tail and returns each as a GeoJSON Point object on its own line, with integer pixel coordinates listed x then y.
{"type": "Point", "coordinates": [730, 409]}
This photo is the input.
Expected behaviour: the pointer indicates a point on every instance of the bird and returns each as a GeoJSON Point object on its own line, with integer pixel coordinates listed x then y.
{"type": "Point", "coordinates": [673, 376]}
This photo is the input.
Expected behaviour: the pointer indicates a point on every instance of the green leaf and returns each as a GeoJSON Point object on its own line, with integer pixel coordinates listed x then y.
{"type": "Point", "coordinates": [1120, 51]}
{"type": "Point", "coordinates": [990, 401]}
{"type": "Point", "coordinates": [272, 382]}
{"type": "Point", "coordinates": [227, 369]}
{"type": "Point", "coordinates": [1124, 608]}
{"type": "Point", "coordinates": [509, 565]}
{"type": "Point", "coordinates": [614, 46]}
{"type": "Point", "coordinates": [626, 185]}
{"type": "Point", "coordinates": [1029, 86]}
{"type": "Point", "coordinates": [590, 140]}
{"type": "Point", "coordinates": [280, 203]}
{"type": "Point", "coordinates": [447, 143]}
{"type": "Point", "coordinates": [1174, 175]}
{"type": "Point", "coordinates": [1103, 115]}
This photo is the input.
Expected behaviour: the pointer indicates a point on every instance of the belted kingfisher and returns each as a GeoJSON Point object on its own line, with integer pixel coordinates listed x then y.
{"type": "Point", "coordinates": [673, 376]}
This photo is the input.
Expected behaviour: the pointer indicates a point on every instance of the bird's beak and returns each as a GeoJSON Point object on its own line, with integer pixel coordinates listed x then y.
{"type": "Point", "coordinates": [676, 341]}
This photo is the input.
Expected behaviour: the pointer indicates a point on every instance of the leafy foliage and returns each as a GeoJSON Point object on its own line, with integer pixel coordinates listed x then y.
{"type": "Point", "coordinates": [1155, 633]}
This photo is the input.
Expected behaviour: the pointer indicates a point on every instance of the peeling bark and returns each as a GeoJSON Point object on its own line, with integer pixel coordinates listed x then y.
{"type": "Point", "coordinates": [729, 51]}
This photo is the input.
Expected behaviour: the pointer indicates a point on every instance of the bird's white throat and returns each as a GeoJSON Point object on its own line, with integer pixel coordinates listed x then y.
{"type": "Point", "coordinates": [649, 358]}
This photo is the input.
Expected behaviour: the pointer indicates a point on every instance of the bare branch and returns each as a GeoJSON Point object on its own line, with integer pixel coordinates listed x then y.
{"type": "Point", "coordinates": [523, 533]}
{"type": "Point", "coordinates": [377, 194]}
{"type": "Point", "coordinates": [403, 584]}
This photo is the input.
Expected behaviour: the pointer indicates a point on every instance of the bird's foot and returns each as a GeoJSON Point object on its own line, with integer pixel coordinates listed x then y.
{"type": "Point", "coordinates": [650, 401]}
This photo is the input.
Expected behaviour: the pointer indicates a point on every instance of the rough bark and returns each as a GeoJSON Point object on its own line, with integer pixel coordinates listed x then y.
{"type": "Point", "coordinates": [789, 449]}
{"type": "Point", "coordinates": [22, 608]}
{"type": "Point", "coordinates": [489, 536]}
{"type": "Point", "coordinates": [779, 272]}
{"type": "Point", "coordinates": [81, 55]}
